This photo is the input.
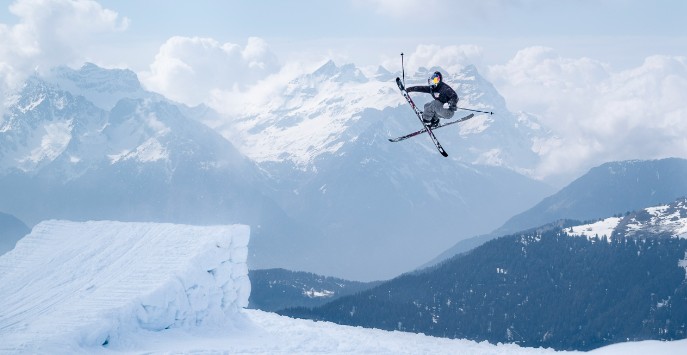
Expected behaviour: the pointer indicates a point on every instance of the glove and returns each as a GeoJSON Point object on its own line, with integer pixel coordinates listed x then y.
{"type": "Point", "coordinates": [452, 106]}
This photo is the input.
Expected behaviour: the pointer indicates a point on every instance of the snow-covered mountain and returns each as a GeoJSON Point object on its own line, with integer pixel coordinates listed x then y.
{"type": "Point", "coordinates": [324, 138]}
{"type": "Point", "coordinates": [667, 220]}
{"type": "Point", "coordinates": [573, 288]}
{"type": "Point", "coordinates": [139, 159]}
{"type": "Point", "coordinates": [320, 113]}
{"type": "Point", "coordinates": [313, 174]}
{"type": "Point", "coordinates": [609, 189]}
{"type": "Point", "coordinates": [104, 88]}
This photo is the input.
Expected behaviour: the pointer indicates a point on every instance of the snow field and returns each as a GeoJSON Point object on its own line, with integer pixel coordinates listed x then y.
{"type": "Point", "coordinates": [603, 228]}
{"type": "Point", "coordinates": [270, 334]}
{"type": "Point", "coordinates": [74, 285]}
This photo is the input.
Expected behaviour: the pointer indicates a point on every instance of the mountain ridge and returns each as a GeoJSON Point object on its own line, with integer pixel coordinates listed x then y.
{"type": "Point", "coordinates": [610, 188]}
{"type": "Point", "coordinates": [331, 101]}
{"type": "Point", "coordinates": [570, 288]}
{"type": "Point", "coordinates": [354, 200]}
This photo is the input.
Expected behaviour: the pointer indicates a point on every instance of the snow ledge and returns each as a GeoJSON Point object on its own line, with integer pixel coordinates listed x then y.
{"type": "Point", "coordinates": [87, 284]}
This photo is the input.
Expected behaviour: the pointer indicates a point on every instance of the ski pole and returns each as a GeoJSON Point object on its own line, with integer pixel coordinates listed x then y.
{"type": "Point", "coordinates": [468, 109]}
{"type": "Point", "coordinates": [404, 70]}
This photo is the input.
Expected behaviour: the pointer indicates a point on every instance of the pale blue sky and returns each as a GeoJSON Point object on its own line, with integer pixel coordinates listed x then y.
{"type": "Point", "coordinates": [617, 31]}
{"type": "Point", "coordinates": [348, 18]}
{"type": "Point", "coordinates": [605, 29]}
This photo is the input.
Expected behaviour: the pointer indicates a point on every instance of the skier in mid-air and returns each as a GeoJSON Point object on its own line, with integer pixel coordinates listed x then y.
{"type": "Point", "coordinates": [442, 94]}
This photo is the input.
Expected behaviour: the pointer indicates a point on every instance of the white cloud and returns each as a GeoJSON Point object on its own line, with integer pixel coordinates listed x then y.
{"type": "Point", "coordinates": [191, 69]}
{"type": "Point", "coordinates": [540, 81]}
{"type": "Point", "coordinates": [604, 115]}
{"type": "Point", "coordinates": [264, 96]}
{"type": "Point", "coordinates": [50, 33]}
{"type": "Point", "coordinates": [451, 58]}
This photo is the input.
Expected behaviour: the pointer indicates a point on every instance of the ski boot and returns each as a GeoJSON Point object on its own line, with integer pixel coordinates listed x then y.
{"type": "Point", "coordinates": [433, 123]}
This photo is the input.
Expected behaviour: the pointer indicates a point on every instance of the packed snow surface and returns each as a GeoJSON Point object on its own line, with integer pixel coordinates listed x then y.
{"type": "Point", "coordinates": [268, 333]}
{"type": "Point", "coordinates": [73, 285]}
{"type": "Point", "coordinates": [132, 288]}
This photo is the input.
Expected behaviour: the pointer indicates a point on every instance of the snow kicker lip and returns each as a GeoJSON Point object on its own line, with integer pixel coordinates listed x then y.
{"type": "Point", "coordinates": [90, 283]}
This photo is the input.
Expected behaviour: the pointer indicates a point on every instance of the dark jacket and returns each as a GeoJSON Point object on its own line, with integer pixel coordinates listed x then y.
{"type": "Point", "coordinates": [443, 93]}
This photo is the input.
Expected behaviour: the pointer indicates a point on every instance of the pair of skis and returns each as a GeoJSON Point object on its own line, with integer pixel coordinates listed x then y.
{"type": "Point", "coordinates": [426, 128]}
{"type": "Point", "coordinates": [410, 135]}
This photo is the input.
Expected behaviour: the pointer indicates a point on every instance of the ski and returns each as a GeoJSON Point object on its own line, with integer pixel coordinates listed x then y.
{"type": "Point", "coordinates": [398, 139]}
{"type": "Point", "coordinates": [419, 116]}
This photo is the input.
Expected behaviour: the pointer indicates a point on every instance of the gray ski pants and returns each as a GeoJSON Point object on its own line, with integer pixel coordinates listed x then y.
{"type": "Point", "coordinates": [435, 108]}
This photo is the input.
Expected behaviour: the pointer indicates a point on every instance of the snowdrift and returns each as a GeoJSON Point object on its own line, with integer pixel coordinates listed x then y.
{"type": "Point", "coordinates": [80, 285]}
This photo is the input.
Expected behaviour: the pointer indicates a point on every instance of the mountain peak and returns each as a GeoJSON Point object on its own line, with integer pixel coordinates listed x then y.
{"type": "Point", "coordinates": [345, 73]}
{"type": "Point", "coordinates": [104, 87]}
{"type": "Point", "coordinates": [327, 69]}
{"type": "Point", "coordinates": [470, 70]}
{"type": "Point", "coordinates": [382, 71]}
{"type": "Point", "coordinates": [93, 77]}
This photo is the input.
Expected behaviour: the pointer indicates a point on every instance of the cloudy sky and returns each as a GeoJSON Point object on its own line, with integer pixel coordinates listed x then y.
{"type": "Point", "coordinates": [609, 76]}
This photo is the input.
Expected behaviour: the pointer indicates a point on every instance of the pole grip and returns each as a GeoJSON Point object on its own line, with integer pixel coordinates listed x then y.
{"type": "Point", "coordinates": [403, 69]}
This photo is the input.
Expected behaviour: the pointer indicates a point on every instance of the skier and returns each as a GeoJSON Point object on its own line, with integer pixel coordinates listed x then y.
{"type": "Point", "coordinates": [442, 94]}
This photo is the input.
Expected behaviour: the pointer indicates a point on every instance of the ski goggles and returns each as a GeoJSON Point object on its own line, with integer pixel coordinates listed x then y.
{"type": "Point", "coordinates": [434, 80]}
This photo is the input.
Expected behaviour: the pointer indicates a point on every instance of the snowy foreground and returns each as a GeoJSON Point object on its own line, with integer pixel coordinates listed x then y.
{"type": "Point", "coordinates": [71, 285]}
{"type": "Point", "coordinates": [111, 287]}
{"type": "Point", "coordinates": [267, 333]}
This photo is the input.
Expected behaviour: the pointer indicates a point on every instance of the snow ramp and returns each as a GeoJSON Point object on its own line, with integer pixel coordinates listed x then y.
{"type": "Point", "coordinates": [89, 284]}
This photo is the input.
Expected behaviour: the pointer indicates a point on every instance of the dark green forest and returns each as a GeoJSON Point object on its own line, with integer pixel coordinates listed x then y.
{"type": "Point", "coordinates": [537, 290]}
